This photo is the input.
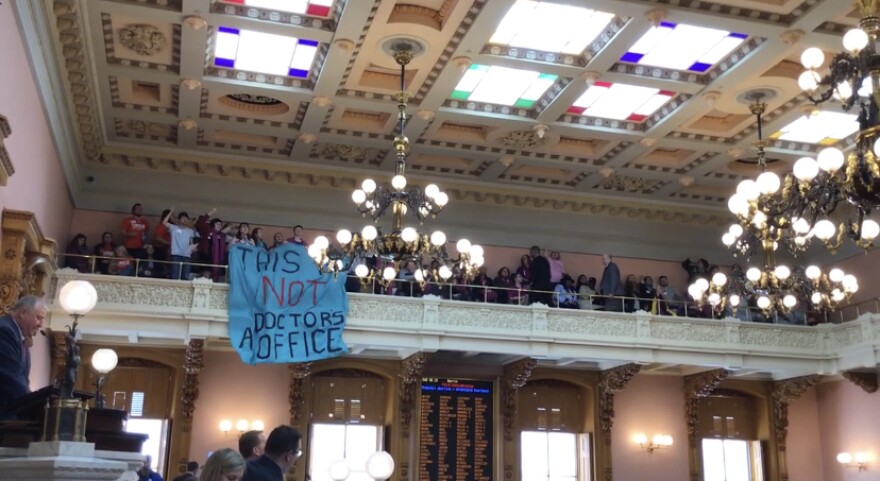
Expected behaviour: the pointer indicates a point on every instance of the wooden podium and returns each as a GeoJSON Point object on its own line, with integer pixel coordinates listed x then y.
{"type": "Point", "coordinates": [104, 427]}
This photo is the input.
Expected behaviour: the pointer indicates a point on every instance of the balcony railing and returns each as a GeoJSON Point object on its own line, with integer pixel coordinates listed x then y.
{"type": "Point", "coordinates": [684, 307]}
{"type": "Point", "coordinates": [167, 312]}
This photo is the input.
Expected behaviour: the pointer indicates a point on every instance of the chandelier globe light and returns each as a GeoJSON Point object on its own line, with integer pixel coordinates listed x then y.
{"type": "Point", "coordinates": [835, 179]}
{"type": "Point", "coordinates": [376, 255]}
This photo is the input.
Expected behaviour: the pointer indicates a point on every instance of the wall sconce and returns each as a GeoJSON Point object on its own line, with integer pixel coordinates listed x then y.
{"type": "Point", "coordinates": [657, 442]}
{"type": "Point", "coordinates": [241, 426]}
{"type": "Point", "coordinates": [103, 361]}
{"type": "Point", "coordinates": [857, 460]}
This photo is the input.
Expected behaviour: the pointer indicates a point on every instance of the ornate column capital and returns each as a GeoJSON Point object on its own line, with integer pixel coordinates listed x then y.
{"type": "Point", "coordinates": [696, 387]}
{"type": "Point", "coordinates": [865, 380]}
{"type": "Point", "coordinates": [515, 376]}
{"type": "Point", "coordinates": [612, 381]}
{"type": "Point", "coordinates": [411, 370]}
{"type": "Point", "coordinates": [783, 393]}
{"type": "Point", "coordinates": [193, 362]}
{"type": "Point", "coordinates": [296, 395]}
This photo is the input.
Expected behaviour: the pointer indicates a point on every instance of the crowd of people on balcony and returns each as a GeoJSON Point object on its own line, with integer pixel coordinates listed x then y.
{"type": "Point", "coordinates": [182, 247]}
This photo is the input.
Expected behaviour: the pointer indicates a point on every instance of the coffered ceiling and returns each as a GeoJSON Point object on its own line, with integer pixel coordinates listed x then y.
{"type": "Point", "coordinates": [633, 101]}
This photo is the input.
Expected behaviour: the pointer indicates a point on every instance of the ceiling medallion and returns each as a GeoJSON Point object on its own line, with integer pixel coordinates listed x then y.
{"type": "Point", "coordinates": [255, 103]}
{"type": "Point", "coordinates": [522, 139]}
{"type": "Point", "coordinates": [143, 39]}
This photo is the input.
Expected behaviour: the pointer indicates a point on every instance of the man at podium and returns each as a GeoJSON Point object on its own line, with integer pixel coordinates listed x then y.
{"type": "Point", "coordinates": [22, 322]}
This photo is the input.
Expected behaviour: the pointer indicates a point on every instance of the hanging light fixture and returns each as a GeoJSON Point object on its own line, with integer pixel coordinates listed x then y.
{"type": "Point", "coordinates": [361, 250]}
{"type": "Point", "coordinates": [772, 212]}
{"type": "Point", "coordinates": [775, 288]}
{"type": "Point", "coordinates": [834, 179]}
{"type": "Point", "coordinates": [762, 205]}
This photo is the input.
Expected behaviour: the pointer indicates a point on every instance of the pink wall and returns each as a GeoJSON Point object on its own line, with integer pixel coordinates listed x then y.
{"type": "Point", "coordinates": [805, 458]}
{"type": "Point", "coordinates": [650, 405]}
{"type": "Point", "coordinates": [38, 184]}
{"type": "Point", "coordinates": [230, 389]}
{"type": "Point", "coordinates": [93, 223]}
{"type": "Point", "coordinates": [849, 420]}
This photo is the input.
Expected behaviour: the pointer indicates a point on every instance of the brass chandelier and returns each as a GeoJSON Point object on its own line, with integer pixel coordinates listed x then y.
{"type": "Point", "coordinates": [372, 254]}
{"type": "Point", "coordinates": [829, 198]}
{"type": "Point", "coordinates": [770, 215]}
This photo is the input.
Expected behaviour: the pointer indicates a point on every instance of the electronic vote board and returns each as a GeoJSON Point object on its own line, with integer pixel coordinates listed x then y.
{"type": "Point", "coordinates": [456, 430]}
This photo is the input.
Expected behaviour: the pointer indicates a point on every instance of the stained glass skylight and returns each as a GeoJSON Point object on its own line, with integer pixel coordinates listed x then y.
{"type": "Point", "coordinates": [550, 27]}
{"type": "Point", "coordinates": [620, 101]}
{"type": "Point", "coordinates": [683, 47]}
{"type": "Point", "coordinates": [822, 128]}
{"type": "Point", "coordinates": [264, 52]}
{"type": "Point", "coordinates": [316, 8]}
{"type": "Point", "coordinates": [502, 85]}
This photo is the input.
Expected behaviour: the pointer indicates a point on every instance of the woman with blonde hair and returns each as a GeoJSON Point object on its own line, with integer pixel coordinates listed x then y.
{"type": "Point", "coordinates": [223, 465]}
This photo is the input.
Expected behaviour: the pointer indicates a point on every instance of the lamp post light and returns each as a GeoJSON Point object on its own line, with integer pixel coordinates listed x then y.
{"type": "Point", "coordinates": [66, 415]}
{"type": "Point", "coordinates": [77, 298]}
{"type": "Point", "coordinates": [339, 470]}
{"type": "Point", "coordinates": [103, 361]}
{"type": "Point", "coordinates": [380, 465]}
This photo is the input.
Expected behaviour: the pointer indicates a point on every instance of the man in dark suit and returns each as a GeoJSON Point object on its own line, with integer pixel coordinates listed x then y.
{"type": "Point", "coordinates": [25, 318]}
{"type": "Point", "coordinates": [252, 444]}
{"type": "Point", "coordinates": [540, 278]}
{"type": "Point", "coordinates": [283, 448]}
{"type": "Point", "coordinates": [611, 284]}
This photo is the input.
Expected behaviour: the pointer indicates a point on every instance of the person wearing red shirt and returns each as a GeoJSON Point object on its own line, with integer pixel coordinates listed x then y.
{"type": "Point", "coordinates": [134, 231]}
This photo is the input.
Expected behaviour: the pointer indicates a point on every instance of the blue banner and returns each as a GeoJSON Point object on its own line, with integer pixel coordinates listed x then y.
{"type": "Point", "coordinates": [282, 308]}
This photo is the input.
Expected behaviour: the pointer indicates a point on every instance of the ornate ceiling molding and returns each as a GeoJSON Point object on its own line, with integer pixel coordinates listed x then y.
{"type": "Point", "coordinates": [536, 200]}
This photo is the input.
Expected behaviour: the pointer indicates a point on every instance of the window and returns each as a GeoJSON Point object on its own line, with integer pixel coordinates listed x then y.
{"type": "Point", "coordinates": [683, 47]}
{"type": "Point", "coordinates": [731, 460]}
{"type": "Point", "coordinates": [824, 128]}
{"type": "Point", "coordinates": [264, 52]}
{"type": "Point", "coordinates": [157, 443]}
{"type": "Point", "coordinates": [502, 86]}
{"type": "Point", "coordinates": [554, 456]}
{"type": "Point", "coordinates": [332, 442]}
{"type": "Point", "coordinates": [317, 8]}
{"type": "Point", "coordinates": [550, 27]}
{"type": "Point", "coordinates": [620, 101]}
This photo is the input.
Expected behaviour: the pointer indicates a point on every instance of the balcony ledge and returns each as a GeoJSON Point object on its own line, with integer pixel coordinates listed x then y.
{"type": "Point", "coordinates": [169, 313]}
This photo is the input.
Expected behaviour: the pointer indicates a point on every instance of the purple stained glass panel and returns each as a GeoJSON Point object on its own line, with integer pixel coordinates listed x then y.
{"type": "Point", "coordinates": [632, 57]}
{"type": "Point", "coordinates": [298, 72]}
